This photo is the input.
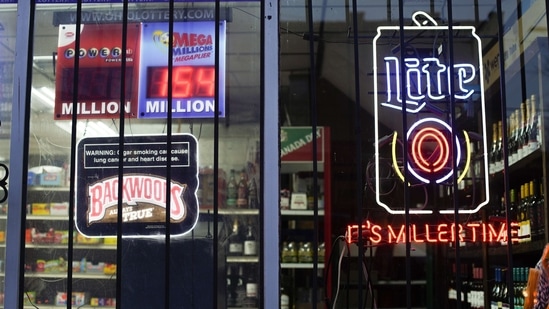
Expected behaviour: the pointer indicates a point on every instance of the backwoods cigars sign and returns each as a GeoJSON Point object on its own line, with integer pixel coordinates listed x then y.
{"type": "Point", "coordinates": [145, 189]}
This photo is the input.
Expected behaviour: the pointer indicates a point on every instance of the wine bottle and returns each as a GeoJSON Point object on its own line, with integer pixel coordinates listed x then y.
{"type": "Point", "coordinates": [511, 142]}
{"type": "Point", "coordinates": [253, 201]}
{"type": "Point", "coordinates": [242, 200]}
{"type": "Point", "coordinates": [541, 210]}
{"type": "Point", "coordinates": [250, 242]}
{"type": "Point", "coordinates": [526, 127]}
{"type": "Point", "coordinates": [232, 190]}
{"type": "Point", "coordinates": [494, 150]}
{"type": "Point", "coordinates": [236, 245]}
{"type": "Point", "coordinates": [251, 300]}
{"type": "Point", "coordinates": [535, 136]}
{"type": "Point", "coordinates": [240, 287]}
{"type": "Point", "coordinates": [500, 151]}
{"type": "Point", "coordinates": [532, 209]}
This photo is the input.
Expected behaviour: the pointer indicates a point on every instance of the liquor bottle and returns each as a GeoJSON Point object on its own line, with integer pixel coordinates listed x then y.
{"type": "Point", "coordinates": [504, 296]}
{"type": "Point", "coordinates": [520, 123]}
{"type": "Point", "coordinates": [494, 295]}
{"type": "Point", "coordinates": [535, 136]}
{"type": "Point", "coordinates": [236, 246]}
{"type": "Point", "coordinates": [500, 151]}
{"type": "Point", "coordinates": [532, 210]}
{"type": "Point", "coordinates": [232, 281]}
{"type": "Point", "coordinates": [250, 242]}
{"type": "Point", "coordinates": [250, 301]}
{"type": "Point", "coordinates": [494, 150]}
{"type": "Point", "coordinates": [284, 299]}
{"type": "Point", "coordinates": [541, 210]}
{"type": "Point", "coordinates": [232, 190]}
{"type": "Point", "coordinates": [253, 201]}
{"type": "Point", "coordinates": [511, 143]}
{"type": "Point", "coordinates": [526, 223]}
{"type": "Point", "coordinates": [240, 287]}
{"type": "Point", "coordinates": [242, 200]}
{"type": "Point", "coordinates": [519, 215]}
{"type": "Point", "coordinates": [526, 127]}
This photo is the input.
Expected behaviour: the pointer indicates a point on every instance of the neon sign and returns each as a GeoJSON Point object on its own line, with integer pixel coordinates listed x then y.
{"type": "Point", "coordinates": [425, 79]}
{"type": "Point", "coordinates": [438, 152]}
{"type": "Point", "coordinates": [440, 233]}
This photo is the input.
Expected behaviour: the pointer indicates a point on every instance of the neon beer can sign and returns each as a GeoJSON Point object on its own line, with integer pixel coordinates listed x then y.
{"type": "Point", "coordinates": [418, 79]}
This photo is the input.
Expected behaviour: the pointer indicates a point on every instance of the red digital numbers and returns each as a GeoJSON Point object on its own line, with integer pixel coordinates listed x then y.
{"type": "Point", "coordinates": [187, 82]}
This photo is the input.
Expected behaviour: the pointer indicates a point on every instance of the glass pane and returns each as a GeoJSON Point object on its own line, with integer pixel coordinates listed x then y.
{"type": "Point", "coordinates": [189, 166]}
{"type": "Point", "coordinates": [437, 161]}
{"type": "Point", "coordinates": [7, 48]}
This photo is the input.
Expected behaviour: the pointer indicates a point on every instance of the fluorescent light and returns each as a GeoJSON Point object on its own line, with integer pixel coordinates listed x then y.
{"type": "Point", "coordinates": [43, 99]}
{"type": "Point", "coordinates": [90, 128]}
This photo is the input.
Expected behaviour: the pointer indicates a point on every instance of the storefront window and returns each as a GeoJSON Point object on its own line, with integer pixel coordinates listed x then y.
{"type": "Point", "coordinates": [435, 110]}
{"type": "Point", "coordinates": [7, 26]}
{"type": "Point", "coordinates": [157, 201]}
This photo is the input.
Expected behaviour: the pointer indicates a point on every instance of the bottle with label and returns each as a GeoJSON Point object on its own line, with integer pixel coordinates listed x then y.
{"type": "Point", "coordinates": [240, 287]}
{"type": "Point", "coordinates": [253, 200]}
{"type": "Point", "coordinates": [536, 129]}
{"type": "Point", "coordinates": [532, 210]}
{"type": "Point", "coordinates": [250, 242]}
{"type": "Point", "coordinates": [236, 245]}
{"type": "Point", "coordinates": [525, 107]}
{"type": "Point", "coordinates": [232, 281]}
{"type": "Point", "coordinates": [499, 151]}
{"type": "Point", "coordinates": [494, 150]}
{"type": "Point", "coordinates": [541, 209]}
{"type": "Point", "coordinates": [251, 300]}
{"type": "Point", "coordinates": [512, 154]}
{"type": "Point", "coordinates": [242, 189]}
{"type": "Point", "coordinates": [284, 299]}
{"type": "Point", "coordinates": [232, 190]}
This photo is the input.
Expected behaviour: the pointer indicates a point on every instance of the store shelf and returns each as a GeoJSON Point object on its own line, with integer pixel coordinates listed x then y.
{"type": "Point", "coordinates": [74, 275]}
{"type": "Point", "coordinates": [58, 307]}
{"type": "Point", "coordinates": [294, 212]}
{"type": "Point", "coordinates": [47, 218]}
{"type": "Point", "coordinates": [242, 259]}
{"type": "Point", "coordinates": [48, 189]}
{"type": "Point", "coordinates": [65, 246]}
{"type": "Point", "coordinates": [300, 265]}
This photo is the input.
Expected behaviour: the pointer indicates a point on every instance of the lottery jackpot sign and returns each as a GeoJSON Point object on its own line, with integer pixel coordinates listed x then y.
{"type": "Point", "coordinates": [417, 80]}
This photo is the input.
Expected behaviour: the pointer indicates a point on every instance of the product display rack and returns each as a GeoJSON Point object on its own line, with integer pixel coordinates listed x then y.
{"type": "Point", "coordinates": [484, 265]}
{"type": "Point", "coordinates": [297, 224]}
{"type": "Point", "coordinates": [46, 266]}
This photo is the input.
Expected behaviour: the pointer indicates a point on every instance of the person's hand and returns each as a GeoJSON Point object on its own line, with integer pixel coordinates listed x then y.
{"type": "Point", "coordinates": [545, 259]}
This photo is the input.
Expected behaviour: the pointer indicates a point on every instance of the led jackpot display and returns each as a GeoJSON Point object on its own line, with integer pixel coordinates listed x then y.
{"type": "Point", "coordinates": [417, 84]}
{"type": "Point", "coordinates": [147, 73]}
{"type": "Point", "coordinates": [193, 73]}
{"type": "Point", "coordinates": [99, 80]}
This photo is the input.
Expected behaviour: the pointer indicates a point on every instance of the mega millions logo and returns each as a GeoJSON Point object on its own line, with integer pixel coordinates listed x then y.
{"type": "Point", "coordinates": [186, 45]}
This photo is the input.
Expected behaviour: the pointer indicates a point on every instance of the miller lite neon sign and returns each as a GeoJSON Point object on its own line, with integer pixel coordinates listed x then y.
{"type": "Point", "coordinates": [415, 80]}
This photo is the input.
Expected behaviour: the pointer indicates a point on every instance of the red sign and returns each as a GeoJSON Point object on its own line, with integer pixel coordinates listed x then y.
{"type": "Point", "coordinates": [99, 71]}
{"type": "Point", "coordinates": [439, 233]}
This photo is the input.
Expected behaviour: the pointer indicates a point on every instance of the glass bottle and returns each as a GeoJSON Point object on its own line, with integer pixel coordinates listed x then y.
{"type": "Point", "coordinates": [541, 209]}
{"type": "Point", "coordinates": [494, 150]}
{"type": "Point", "coordinates": [253, 201]}
{"type": "Point", "coordinates": [512, 154]}
{"type": "Point", "coordinates": [250, 242]}
{"type": "Point", "coordinates": [236, 245]}
{"type": "Point", "coordinates": [242, 200]}
{"type": "Point", "coordinates": [526, 127]}
{"type": "Point", "coordinates": [232, 190]}
{"type": "Point", "coordinates": [532, 209]}
{"type": "Point", "coordinates": [499, 152]}
{"type": "Point", "coordinates": [250, 301]}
